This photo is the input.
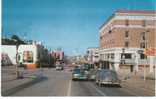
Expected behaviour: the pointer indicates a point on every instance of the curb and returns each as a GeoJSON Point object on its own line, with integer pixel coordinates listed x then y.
{"type": "Point", "coordinates": [12, 91]}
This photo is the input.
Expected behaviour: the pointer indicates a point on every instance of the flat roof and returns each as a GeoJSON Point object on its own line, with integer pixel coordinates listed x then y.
{"type": "Point", "coordinates": [137, 11]}
{"type": "Point", "coordinates": [128, 11]}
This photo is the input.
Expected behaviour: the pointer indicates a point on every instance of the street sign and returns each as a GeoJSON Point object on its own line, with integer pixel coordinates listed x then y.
{"type": "Point", "coordinates": [150, 51]}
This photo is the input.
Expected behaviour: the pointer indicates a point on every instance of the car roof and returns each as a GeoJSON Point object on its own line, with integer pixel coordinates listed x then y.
{"type": "Point", "coordinates": [106, 70]}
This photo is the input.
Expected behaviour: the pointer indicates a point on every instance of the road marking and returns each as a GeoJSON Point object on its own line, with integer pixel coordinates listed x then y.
{"type": "Point", "coordinates": [98, 90]}
{"type": "Point", "coordinates": [69, 88]}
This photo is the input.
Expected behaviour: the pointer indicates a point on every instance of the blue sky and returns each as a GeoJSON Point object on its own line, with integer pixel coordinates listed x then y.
{"type": "Point", "coordinates": [72, 25]}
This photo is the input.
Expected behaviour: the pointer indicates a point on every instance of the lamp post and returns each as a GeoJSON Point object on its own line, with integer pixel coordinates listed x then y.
{"type": "Point", "coordinates": [146, 55]}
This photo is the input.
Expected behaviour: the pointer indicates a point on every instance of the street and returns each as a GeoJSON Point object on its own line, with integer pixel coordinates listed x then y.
{"type": "Point", "coordinates": [59, 83]}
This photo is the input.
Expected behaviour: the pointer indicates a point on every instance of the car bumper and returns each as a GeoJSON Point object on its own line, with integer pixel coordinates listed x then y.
{"type": "Point", "coordinates": [108, 82]}
{"type": "Point", "coordinates": [79, 78]}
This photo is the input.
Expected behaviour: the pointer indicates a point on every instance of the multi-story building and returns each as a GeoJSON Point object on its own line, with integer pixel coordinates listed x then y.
{"type": "Point", "coordinates": [123, 38]}
{"type": "Point", "coordinates": [93, 55]}
{"type": "Point", "coordinates": [58, 56]}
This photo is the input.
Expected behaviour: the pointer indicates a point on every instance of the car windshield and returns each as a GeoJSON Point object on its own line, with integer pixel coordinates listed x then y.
{"type": "Point", "coordinates": [77, 71]}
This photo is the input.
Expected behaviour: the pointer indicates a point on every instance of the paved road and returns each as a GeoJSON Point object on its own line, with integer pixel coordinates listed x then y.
{"type": "Point", "coordinates": [59, 83]}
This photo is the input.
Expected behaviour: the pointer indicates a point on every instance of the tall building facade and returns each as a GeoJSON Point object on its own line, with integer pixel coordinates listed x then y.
{"type": "Point", "coordinates": [93, 55]}
{"type": "Point", "coordinates": [123, 39]}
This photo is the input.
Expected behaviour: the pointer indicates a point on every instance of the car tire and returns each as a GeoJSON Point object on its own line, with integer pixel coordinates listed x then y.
{"type": "Point", "coordinates": [96, 82]}
{"type": "Point", "coordinates": [73, 79]}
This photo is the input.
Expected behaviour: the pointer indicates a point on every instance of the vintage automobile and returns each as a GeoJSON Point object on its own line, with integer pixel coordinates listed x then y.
{"type": "Point", "coordinates": [59, 67]}
{"type": "Point", "coordinates": [79, 74]}
{"type": "Point", "coordinates": [105, 76]}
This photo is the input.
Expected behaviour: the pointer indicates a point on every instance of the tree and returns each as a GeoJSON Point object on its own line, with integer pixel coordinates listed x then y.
{"type": "Point", "coordinates": [15, 37]}
{"type": "Point", "coordinates": [17, 40]}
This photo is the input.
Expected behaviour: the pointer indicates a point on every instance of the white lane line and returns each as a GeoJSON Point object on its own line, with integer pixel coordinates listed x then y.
{"type": "Point", "coordinates": [98, 90]}
{"type": "Point", "coordinates": [69, 88]}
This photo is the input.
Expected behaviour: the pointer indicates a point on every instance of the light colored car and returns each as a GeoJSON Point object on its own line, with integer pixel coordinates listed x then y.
{"type": "Point", "coordinates": [105, 76]}
{"type": "Point", "coordinates": [92, 74]}
{"type": "Point", "coordinates": [59, 67]}
{"type": "Point", "coordinates": [79, 74]}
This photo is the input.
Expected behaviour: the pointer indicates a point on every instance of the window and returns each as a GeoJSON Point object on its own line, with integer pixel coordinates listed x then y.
{"type": "Point", "coordinates": [108, 56]}
{"type": "Point", "coordinates": [142, 35]}
{"type": "Point", "coordinates": [126, 44]}
{"type": "Point", "coordinates": [126, 55]}
{"type": "Point", "coordinates": [127, 22]}
{"type": "Point", "coordinates": [96, 56]}
{"type": "Point", "coordinates": [143, 56]}
{"type": "Point", "coordinates": [126, 34]}
{"type": "Point", "coordinates": [28, 56]}
{"type": "Point", "coordinates": [112, 56]}
{"type": "Point", "coordinates": [142, 45]}
{"type": "Point", "coordinates": [143, 23]}
{"type": "Point", "coordinates": [101, 37]}
{"type": "Point", "coordinates": [110, 31]}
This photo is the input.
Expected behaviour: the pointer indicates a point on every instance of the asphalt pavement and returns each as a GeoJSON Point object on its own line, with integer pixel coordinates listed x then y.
{"type": "Point", "coordinates": [59, 83]}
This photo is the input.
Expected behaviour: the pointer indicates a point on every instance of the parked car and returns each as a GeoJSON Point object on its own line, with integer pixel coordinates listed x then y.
{"type": "Point", "coordinates": [59, 67]}
{"type": "Point", "coordinates": [79, 74]}
{"type": "Point", "coordinates": [105, 76]}
{"type": "Point", "coordinates": [92, 74]}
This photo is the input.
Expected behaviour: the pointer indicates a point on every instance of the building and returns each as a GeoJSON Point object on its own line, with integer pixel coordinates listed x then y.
{"type": "Point", "coordinates": [33, 55]}
{"type": "Point", "coordinates": [8, 55]}
{"type": "Point", "coordinates": [123, 38]}
{"type": "Point", "coordinates": [58, 56]}
{"type": "Point", "coordinates": [93, 55]}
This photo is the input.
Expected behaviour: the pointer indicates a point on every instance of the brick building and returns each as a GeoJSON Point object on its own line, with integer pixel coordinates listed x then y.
{"type": "Point", "coordinates": [123, 38]}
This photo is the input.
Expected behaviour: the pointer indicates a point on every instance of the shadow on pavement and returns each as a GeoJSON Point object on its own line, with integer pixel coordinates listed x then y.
{"type": "Point", "coordinates": [110, 86]}
{"type": "Point", "coordinates": [18, 88]}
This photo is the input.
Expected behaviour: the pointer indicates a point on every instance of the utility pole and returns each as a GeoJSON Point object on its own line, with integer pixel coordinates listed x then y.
{"type": "Point", "coordinates": [146, 56]}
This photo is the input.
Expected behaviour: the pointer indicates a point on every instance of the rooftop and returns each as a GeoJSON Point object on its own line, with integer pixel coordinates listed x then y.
{"type": "Point", "coordinates": [129, 12]}
{"type": "Point", "coordinates": [137, 11]}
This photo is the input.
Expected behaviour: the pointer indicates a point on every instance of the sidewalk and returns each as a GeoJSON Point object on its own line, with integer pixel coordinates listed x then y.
{"type": "Point", "coordinates": [136, 84]}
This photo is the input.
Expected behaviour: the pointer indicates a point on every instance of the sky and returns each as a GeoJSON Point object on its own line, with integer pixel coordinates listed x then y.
{"type": "Point", "coordinates": [72, 25]}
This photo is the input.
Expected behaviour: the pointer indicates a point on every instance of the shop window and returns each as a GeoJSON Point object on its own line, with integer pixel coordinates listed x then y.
{"type": "Point", "coordinates": [143, 56]}
{"type": "Point", "coordinates": [126, 56]}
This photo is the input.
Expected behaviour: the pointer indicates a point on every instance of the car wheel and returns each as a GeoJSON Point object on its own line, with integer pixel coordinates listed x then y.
{"type": "Point", "coordinates": [100, 84]}
{"type": "Point", "coordinates": [96, 81]}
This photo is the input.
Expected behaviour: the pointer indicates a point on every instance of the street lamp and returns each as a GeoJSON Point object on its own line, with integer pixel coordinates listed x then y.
{"type": "Point", "coordinates": [146, 55]}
